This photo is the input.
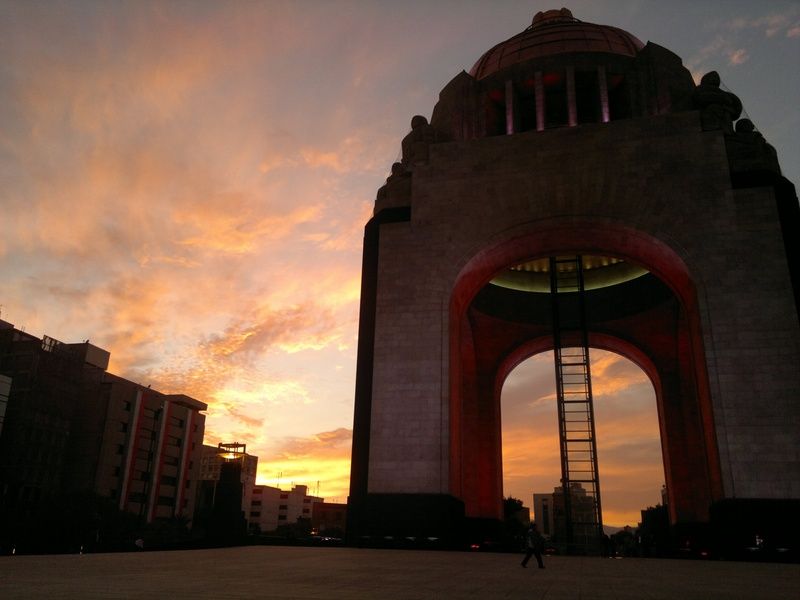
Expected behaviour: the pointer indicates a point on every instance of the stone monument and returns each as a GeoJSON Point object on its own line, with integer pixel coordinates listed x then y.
{"type": "Point", "coordinates": [577, 139]}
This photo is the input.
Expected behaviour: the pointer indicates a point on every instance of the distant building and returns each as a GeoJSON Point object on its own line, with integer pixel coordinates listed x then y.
{"type": "Point", "coordinates": [271, 507]}
{"type": "Point", "coordinates": [584, 522]}
{"type": "Point", "coordinates": [212, 461]}
{"type": "Point", "coordinates": [5, 390]}
{"type": "Point", "coordinates": [328, 516]}
{"type": "Point", "coordinates": [149, 458]}
{"type": "Point", "coordinates": [549, 513]}
{"type": "Point", "coordinates": [227, 479]}
{"type": "Point", "coordinates": [68, 426]}
{"type": "Point", "coordinates": [264, 511]}
{"type": "Point", "coordinates": [654, 533]}
{"type": "Point", "coordinates": [543, 513]}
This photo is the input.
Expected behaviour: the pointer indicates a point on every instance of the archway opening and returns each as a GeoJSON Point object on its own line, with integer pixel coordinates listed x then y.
{"type": "Point", "coordinates": [628, 438]}
{"type": "Point", "coordinates": [648, 315]}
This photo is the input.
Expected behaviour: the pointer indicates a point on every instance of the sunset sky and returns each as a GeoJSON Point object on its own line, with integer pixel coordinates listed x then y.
{"type": "Point", "coordinates": [186, 184]}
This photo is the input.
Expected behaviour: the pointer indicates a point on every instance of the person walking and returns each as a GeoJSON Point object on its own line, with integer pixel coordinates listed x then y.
{"type": "Point", "coordinates": [535, 546]}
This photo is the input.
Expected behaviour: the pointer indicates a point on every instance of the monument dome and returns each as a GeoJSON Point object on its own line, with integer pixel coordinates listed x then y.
{"type": "Point", "coordinates": [555, 32]}
{"type": "Point", "coordinates": [561, 72]}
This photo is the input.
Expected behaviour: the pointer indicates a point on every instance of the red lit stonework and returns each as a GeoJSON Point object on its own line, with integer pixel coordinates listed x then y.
{"type": "Point", "coordinates": [574, 138]}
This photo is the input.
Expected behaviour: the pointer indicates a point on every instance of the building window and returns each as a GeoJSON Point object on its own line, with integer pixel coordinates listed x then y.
{"type": "Point", "coordinates": [123, 427]}
{"type": "Point", "coordinates": [166, 501]}
{"type": "Point", "coordinates": [255, 513]}
{"type": "Point", "coordinates": [619, 98]}
{"type": "Point", "coordinates": [126, 406]}
{"type": "Point", "coordinates": [283, 507]}
{"type": "Point", "coordinates": [284, 496]}
{"type": "Point", "coordinates": [176, 422]}
{"type": "Point", "coordinates": [306, 500]}
{"type": "Point", "coordinates": [525, 105]}
{"type": "Point", "coordinates": [121, 449]}
{"type": "Point", "coordinates": [256, 503]}
{"type": "Point", "coordinates": [258, 491]}
{"type": "Point", "coordinates": [555, 99]}
{"type": "Point", "coordinates": [306, 511]}
{"type": "Point", "coordinates": [587, 97]}
{"type": "Point", "coordinates": [169, 480]}
{"type": "Point", "coordinates": [281, 517]}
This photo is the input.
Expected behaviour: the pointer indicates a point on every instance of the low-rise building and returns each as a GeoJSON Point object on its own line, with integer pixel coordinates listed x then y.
{"type": "Point", "coordinates": [271, 507]}
{"type": "Point", "coordinates": [328, 517]}
{"type": "Point", "coordinates": [222, 467]}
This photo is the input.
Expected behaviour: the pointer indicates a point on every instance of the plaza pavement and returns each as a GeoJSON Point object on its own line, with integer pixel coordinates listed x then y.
{"type": "Point", "coordinates": [269, 572]}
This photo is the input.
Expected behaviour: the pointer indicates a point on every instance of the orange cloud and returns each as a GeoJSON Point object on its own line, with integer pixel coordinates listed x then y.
{"type": "Point", "coordinates": [225, 229]}
{"type": "Point", "coordinates": [323, 458]}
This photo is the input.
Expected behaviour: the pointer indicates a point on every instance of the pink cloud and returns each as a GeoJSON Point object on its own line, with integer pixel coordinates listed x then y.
{"type": "Point", "coordinates": [771, 24]}
{"type": "Point", "coordinates": [223, 228]}
{"type": "Point", "coordinates": [738, 56]}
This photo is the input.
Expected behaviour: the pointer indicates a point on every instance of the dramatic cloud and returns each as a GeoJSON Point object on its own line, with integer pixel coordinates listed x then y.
{"type": "Point", "coordinates": [737, 38]}
{"type": "Point", "coordinates": [774, 24]}
{"type": "Point", "coordinates": [721, 47]}
{"type": "Point", "coordinates": [322, 459]}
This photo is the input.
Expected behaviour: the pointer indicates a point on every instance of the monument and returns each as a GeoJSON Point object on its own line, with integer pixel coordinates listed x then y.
{"type": "Point", "coordinates": [574, 148]}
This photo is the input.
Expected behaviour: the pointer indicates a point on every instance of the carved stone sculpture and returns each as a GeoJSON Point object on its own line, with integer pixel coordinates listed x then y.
{"type": "Point", "coordinates": [718, 108]}
{"type": "Point", "coordinates": [415, 144]}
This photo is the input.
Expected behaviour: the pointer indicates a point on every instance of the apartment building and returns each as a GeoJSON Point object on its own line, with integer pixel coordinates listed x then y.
{"type": "Point", "coordinates": [68, 426]}
{"type": "Point", "coordinates": [271, 507]}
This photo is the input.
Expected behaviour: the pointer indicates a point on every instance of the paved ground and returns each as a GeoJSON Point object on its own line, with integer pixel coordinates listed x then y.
{"type": "Point", "coordinates": [331, 573]}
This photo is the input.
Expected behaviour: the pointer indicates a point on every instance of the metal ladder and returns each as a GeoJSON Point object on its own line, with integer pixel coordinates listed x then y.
{"type": "Point", "coordinates": [579, 476]}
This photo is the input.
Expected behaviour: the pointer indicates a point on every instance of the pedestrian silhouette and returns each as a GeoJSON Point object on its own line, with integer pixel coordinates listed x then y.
{"type": "Point", "coordinates": [534, 546]}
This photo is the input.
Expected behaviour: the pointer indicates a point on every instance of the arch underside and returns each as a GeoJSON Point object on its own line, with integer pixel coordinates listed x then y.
{"type": "Point", "coordinates": [653, 321]}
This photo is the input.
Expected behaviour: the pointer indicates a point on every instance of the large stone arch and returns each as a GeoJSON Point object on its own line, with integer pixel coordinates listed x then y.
{"type": "Point", "coordinates": [670, 351]}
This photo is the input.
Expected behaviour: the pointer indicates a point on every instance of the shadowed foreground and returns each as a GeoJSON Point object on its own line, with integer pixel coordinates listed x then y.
{"type": "Point", "coordinates": [281, 572]}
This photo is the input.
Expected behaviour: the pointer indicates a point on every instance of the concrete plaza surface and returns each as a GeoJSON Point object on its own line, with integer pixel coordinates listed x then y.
{"type": "Point", "coordinates": [330, 573]}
